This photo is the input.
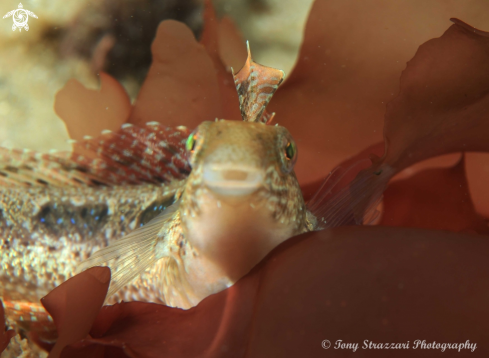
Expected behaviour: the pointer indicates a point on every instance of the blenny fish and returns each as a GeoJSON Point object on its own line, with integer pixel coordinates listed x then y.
{"type": "Point", "coordinates": [177, 216]}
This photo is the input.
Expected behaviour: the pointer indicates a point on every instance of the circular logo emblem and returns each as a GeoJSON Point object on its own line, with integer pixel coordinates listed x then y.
{"type": "Point", "coordinates": [326, 344]}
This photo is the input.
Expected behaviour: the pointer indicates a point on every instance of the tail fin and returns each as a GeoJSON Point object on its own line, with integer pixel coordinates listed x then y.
{"type": "Point", "coordinates": [350, 196]}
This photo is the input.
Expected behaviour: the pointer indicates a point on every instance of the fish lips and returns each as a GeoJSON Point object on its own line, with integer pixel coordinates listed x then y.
{"type": "Point", "coordinates": [232, 180]}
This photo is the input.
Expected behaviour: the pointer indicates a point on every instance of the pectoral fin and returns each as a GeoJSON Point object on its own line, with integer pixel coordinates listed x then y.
{"type": "Point", "coordinates": [133, 254]}
{"type": "Point", "coordinates": [350, 196]}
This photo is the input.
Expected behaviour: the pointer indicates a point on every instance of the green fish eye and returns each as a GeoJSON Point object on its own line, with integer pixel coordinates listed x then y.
{"type": "Point", "coordinates": [190, 144]}
{"type": "Point", "coordinates": [290, 151]}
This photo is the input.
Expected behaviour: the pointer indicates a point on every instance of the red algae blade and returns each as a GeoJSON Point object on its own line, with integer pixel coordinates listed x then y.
{"type": "Point", "coordinates": [442, 103]}
{"type": "Point", "coordinates": [181, 86]}
{"type": "Point", "coordinates": [212, 38]}
{"type": "Point", "coordinates": [75, 304]}
{"type": "Point", "coordinates": [433, 199]}
{"type": "Point", "coordinates": [88, 112]}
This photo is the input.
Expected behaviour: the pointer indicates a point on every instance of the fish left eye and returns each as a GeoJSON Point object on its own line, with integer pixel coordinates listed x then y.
{"type": "Point", "coordinates": [289, 155]}
{"type": "Point", "coordinates": [191, 140]}
{"type": "Point", "coordinates": [290, 151]}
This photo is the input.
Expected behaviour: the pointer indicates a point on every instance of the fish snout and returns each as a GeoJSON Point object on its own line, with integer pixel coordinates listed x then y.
{"type": "Point", "coordinates": [232, 180]}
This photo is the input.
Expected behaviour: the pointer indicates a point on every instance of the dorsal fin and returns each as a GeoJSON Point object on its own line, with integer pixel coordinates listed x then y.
{"type": "Point", "coordinates": [133, 155]}
{"type": "Point", "coordinates": [256, 85]}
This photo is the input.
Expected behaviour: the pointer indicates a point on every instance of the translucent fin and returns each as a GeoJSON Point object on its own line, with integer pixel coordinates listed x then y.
{"type": "Point", "coordinates": [132, 155]}
{"type": "Point", "coordinates": [350, 196]}
{"type": "Point", "coordinates": [256, 85]}
{"type": "Point", "coordinates": [133, 254]}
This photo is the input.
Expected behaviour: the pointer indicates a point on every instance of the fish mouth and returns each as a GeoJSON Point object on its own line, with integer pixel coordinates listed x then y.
{"type": "Point", "coordinates": [232, 180]}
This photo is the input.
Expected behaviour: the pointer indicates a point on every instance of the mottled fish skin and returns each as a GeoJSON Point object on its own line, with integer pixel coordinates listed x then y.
{"type": "Point", "coordinates": [45, 233]}
{"type": "Point", "coordinates": [56, 209]}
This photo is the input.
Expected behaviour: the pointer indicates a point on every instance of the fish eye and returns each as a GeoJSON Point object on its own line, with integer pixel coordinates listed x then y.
{"type": "Point", "coordinates": [290, 151]}
{"type": "Point", "coordinates": [289, 155]}
{"type": "Point", "coordinates": [191, 140]}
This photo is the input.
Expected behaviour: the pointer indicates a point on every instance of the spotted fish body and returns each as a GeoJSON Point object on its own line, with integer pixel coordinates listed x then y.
{"type": "Point", "coordinates": [172, 230]}
{"type": "Point", "coordinates": [45, 233]}
{"type": "Point", "coordinates": [56, 210]}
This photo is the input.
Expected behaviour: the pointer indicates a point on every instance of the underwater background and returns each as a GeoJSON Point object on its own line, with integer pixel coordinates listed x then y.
{"type": "Point", "coordinates": [393, 82]}
{"type": "Point", "coordinates": [79, 38]}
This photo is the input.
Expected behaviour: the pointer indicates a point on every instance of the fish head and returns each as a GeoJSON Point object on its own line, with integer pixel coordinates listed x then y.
{"type": "Point", "coordinates": [235, 159]}
{"type": "Point", "coordinates": [242, 197]}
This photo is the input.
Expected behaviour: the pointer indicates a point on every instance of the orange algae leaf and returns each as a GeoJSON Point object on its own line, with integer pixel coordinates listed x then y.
{"type": "Point", "coordinates": [441, 107]}
{"type": "Point", "coordinates": [348, 67]}
{"type": "Point", "coordinates": [74, 305]}
{"type": "Point", "coordinates": [232, 49]}
{"type": "Point", "coordinates": [5, 334]}
{"type": "Point", "coordinates": [293, 300]}
{"type": "Point", "coordinates": [443, 100]}
{"type": "Point", "coordinates": [181, 86]}
{"type": "Point", "coordinates": [211, 39]}
{"type": "Point", "coordinates": [88, 112]}
{"type": "Point", "coordinates": [433, 199]}
{"type": "Point", "coordinates": [477, 171]}
{"type": "Point", "coordinates": [442, 161]}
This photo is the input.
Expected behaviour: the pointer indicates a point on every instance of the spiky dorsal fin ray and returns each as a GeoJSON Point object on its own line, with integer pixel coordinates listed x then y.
{"type": "Point", "coordinates": [133, 254]}
{"type": "Point", "coordinates": [256, 85]}
{"type": "Point", "coordinates": [350, 196]}
{"type": "Point", "coordinates": [133, 155]}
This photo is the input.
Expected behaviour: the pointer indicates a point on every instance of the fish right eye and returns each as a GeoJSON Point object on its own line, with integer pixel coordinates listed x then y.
{"type": "Point", "coordinates": [191, 140]}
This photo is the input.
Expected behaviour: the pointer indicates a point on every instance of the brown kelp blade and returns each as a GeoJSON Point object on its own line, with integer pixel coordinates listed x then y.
{"type": "Point", "coordinates": [256, 85]}
{"type": "Point", "coordinates": [441, 108]}
{"type": "Point", "coordinates": [442, 104]}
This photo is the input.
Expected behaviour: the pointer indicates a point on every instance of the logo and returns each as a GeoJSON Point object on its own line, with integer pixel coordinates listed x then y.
{"type": "Point", "coordinates": [20, 17]}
